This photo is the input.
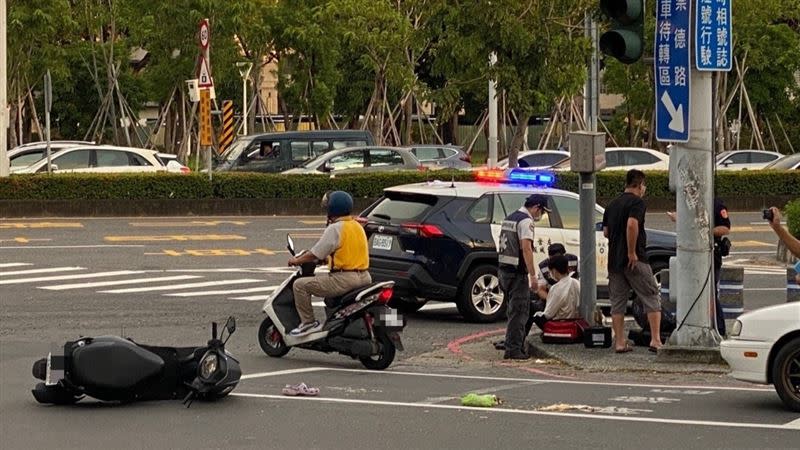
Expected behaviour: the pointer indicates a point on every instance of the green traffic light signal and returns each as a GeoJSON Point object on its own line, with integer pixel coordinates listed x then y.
{"type": "Point", "coordinates": [625, 39]}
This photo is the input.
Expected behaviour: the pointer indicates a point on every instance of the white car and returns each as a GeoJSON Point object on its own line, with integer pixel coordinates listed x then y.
{"type": "Point", "coordinates": [764, 347]}
{"type": "Point", "coordinates": [626, 158]}
{"type": "Point", "coordinates": [537, 159]}
{"type": "Point", "coordinates": [27, 154]}
{"type": "Point", "coordinates": [170, 161]}
{"type": "Point", "coordinates": [745, 159]}
{"type": "Point", "coordinates": [788, 162]}
{"type": "Point", "coordinates": [99, 159]}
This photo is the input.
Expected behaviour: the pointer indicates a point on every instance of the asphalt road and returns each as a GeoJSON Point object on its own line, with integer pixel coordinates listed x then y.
{"type": "Point", "coordinates": [162, 280]}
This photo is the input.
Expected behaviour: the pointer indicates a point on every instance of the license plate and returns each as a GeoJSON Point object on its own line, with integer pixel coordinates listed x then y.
{"type": "Point", "coordinates": [381, 242]}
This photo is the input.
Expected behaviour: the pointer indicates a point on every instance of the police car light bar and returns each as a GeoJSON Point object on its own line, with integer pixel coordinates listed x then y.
{"type": "Point", "coordinates": [516, 176]}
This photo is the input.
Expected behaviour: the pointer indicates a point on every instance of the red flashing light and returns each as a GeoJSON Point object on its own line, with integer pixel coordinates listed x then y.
{"type": "Point", "coordinates": [385, 295]}
{"type": "Point", "coordinates": [491, 175]}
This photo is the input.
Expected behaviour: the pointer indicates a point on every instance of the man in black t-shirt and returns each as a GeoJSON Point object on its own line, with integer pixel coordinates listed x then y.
{"type": "Point", "coordinates": [623, 225]}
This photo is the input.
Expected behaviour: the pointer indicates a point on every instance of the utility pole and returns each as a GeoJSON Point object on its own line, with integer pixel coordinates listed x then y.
{"type": "Point", "coordinates": [492, 162]}
{"type": "Point", "coordinates": [3, 93]}
{"type": "Point", "coordinates": [48, 103]}
{"type": "Point", "coordinates": [590, 144]}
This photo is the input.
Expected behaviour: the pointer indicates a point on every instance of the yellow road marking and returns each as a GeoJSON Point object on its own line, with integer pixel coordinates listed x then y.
{"type": "Point", "coordinates": [8, 225]}
{"type": "Point", "coordinates": [23, 240]}
{"type": "Point", "coordinates": [217, 252]}
{"type": "Point", "coordinates": [193, 223]}
{"type": "Point", "coordinates": [177, 237]}
{"type": "Point", "coordinates": [750, 228]}
{"type": "Point", "coordinates": [753, 244]}
{"type": "Point", "coordinates": [313, 222]}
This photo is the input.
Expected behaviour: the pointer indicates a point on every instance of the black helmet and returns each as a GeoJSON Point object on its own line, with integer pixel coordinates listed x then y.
{"type": "Point", "coordinates": [340, 204]}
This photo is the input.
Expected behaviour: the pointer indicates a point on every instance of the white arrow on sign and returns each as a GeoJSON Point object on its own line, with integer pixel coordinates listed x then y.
{"type": "Point", "coordinates": [676, 124]}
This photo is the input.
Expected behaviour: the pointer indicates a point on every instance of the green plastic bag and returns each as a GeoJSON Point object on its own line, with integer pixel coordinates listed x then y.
{"type": "Point", "coordinates": [484, 401]}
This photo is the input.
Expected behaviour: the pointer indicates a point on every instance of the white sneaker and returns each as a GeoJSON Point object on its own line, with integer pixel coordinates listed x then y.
{"type": "Point", "coordinates": [306, 328]}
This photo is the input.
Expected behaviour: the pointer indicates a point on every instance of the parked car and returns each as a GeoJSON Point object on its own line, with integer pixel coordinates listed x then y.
{"type": "Point", "coordinates": [745, 159]}
{"type": "Point", "coordinates": [626, 158]}
{"type": "Point", "coordinates": [99, 159]}
{"type": "Point", "coordinates": [438, 241]}
{"type": "Point", "coordinates": [360, 159]}
{"type": "Point", "coordinates": [441, 156]}
{"type": "Point", "coordinates": [27, 154]}
{"type": "Point", "coordinates": [537, 159]}
{"type": "Point", "coordinates": [764, 348]}
{"type": "Point", "coordinates": [170, 161]}
{"type": "Point", "coordinates": [276, 152]}
{"type": "Point", "coordinates": [788, 162]}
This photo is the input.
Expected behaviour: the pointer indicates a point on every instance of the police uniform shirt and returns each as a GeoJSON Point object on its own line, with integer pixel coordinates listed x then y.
{"type": "Point", "coordinates": [524, 230]}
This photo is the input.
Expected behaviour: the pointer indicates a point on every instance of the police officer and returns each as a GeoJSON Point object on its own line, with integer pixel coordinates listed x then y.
{"type": "Point", "coordinates": [517, 271]}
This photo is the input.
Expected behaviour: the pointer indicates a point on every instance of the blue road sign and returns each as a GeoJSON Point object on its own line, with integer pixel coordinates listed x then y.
{"type": "Point", "coordinates": [672, 70]}
{"type": "Point", "coordinates": [713, 35]}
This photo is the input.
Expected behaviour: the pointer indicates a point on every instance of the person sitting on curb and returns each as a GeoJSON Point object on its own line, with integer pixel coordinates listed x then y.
{"type": "Point", "coordinates": [546, 281]}
{"type": "Point", "coordinates": [792, 243]}
{"type": "Point", "coordinates": [563, 299]}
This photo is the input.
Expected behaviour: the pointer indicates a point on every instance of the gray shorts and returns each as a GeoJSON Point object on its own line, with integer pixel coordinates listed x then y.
{"type": "Point", "coordinates": [640, 279]}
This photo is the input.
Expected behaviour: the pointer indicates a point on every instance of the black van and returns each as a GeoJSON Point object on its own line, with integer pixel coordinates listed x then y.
{"type": "Point", "coordinates": [276, 152]}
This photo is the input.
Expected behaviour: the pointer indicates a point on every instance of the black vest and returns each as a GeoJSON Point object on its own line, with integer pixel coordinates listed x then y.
{"type": "Point", "coordinates": [509, 247]}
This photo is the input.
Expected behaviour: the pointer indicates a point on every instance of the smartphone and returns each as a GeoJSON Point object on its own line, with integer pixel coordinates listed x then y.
{"type": "Point", "coordinates": [797, 268]}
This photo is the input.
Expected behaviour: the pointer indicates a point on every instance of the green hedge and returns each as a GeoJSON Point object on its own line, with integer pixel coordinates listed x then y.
{"type": "Point", "coordinates": [792, 211]}
{"type": "Point", "coordinates": [255, 185]}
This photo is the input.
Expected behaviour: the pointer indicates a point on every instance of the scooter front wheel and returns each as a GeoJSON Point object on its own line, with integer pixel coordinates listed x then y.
{"type": "Point", "coordinates": [270, 339]}
{"type": "Point", "coordinates": [385, 355]}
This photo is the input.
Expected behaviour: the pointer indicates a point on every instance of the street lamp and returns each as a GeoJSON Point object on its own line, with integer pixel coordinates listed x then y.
{"type": "Point", "coordinates": [244, 71]}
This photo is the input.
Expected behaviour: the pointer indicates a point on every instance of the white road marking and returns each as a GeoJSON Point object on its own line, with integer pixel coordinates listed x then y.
{"type": "Point", "coordinates": [794, 425]}
{"type": "Point", "coordinates": [658, 420]}
{"type": "Point", "coordinates": [4, 265]}
{"type": "Point", "coordinates": [176, 287]}
{"type": "Point", "coordinates": [231, 291]}
{"type": "Point", "coordinates": [504, 379]}
{"type": "Point", "coordinates": [61, 287]}
{"type": "Point", "coordinates": [765, 289]}
{"type": "Point", "coordinates": [252, 298]}
{"type": "Point", "coordinates": [71, 246]}
{"type": "Point", "coordinates": [71, 277]}
{"type": "Point", "coordinates": [35, 271]}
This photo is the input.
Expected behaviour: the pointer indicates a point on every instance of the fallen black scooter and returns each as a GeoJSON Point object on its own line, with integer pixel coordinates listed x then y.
{"type": "Point", "coordinates": [359, 323]}
{"type": "Point", "coordinates": [111, 368]}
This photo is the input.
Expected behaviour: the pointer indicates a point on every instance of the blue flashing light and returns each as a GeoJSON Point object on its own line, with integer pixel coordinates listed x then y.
{"type": "Point", "coordinates": [528, 177]}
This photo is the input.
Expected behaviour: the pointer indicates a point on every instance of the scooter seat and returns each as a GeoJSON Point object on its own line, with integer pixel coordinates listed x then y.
{"type": "Point", "coordinates": [111, 362]}
{"type": "Point", "coordinates": [346, 299]}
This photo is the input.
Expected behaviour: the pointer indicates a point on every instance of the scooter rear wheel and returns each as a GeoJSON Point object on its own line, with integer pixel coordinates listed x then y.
{"type": "Point", "coordinates": [270, 339]}
{"type": "Point", "coordinates": [384, 357]}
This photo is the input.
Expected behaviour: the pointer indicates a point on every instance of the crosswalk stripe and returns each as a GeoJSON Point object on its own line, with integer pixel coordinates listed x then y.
{"type": "Point", "coordinates": [231, 291]}
{"type": "Point", "coordinates": [35, 271]}
{"type": "Point", "coordinates": [176, 287]}
{"type": "Point", "coordinates": [252, 298]}
{"type": "Point", "coordinates": [4, 265]}
{"type": "Point", "coordinates": [71, 277]}
{"type": "Point", "coordinates": [61, 287]}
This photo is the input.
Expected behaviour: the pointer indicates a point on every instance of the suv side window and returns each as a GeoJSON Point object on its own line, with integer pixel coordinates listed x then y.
{"type": "Point", "coordinates": [568, 210]}
{"type": "Point", "coordinates": [480, 212]}
{"type": "Point", "coordinates": [301, 150]}
{"type": "Point", "coordinates": [762, 157]}
{"type": "Point", "coordinates": [138, 160]}
{"type": "Point", "coordinates": [344, 144]}
{"type": "Point", "coordinates": [379, 158]}
{"type": "Point", "coordinates": [427, 153]}
{"type": "Point", "coordinates": [78, 159]}
{"type": "Point", "coordinates": [319, 147]}
{"type": "Point", "coordinates": [612, 159]}
{"type": "Point", "coordinates": [348, 160]}
{"type": "Point", "coordinates": [514, 201]}
{"type": "Point", "coordinates": [26, 159]}
{"type": "Point", "coordinates": [111, 158]}
{"type": "Point", "coordinates": [738, 158]}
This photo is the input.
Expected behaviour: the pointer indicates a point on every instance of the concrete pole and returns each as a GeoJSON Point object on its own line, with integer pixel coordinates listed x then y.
{"type": "Point", "coordinates": [591, 90]}
{"type": "Point", "coordinates": [492, 162]}
{"type": "Point", "coordinates": [694, 192]}
{"type": "Point", "coordinates": [244, 106]}
{"type": "Point", "coordinates": [3, 93]}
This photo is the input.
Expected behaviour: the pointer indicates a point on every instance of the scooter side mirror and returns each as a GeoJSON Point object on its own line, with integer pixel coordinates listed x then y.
{"type": "Point", "coordinates": [290, 244]}
{"type": "Point", "coordinates": [230, 325]}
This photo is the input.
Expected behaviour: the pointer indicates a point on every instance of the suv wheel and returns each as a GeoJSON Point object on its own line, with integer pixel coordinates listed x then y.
{"type": "Point", "coordinates": [480, 298]}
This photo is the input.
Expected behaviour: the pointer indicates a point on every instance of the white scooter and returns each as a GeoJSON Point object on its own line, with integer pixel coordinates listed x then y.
{"type": "Point", "coordinates": [359, 323]}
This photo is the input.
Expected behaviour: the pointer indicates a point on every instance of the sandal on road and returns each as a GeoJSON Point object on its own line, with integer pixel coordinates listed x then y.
{"type": "Point", "coordinates": [301, 389]}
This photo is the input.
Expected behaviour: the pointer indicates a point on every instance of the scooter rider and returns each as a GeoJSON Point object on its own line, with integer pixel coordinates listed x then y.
{"type": "Point", "coordinates": [344, 244]}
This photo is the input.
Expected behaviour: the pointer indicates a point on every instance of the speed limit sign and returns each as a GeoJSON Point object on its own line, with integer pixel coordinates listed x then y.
{"type": "Point", "coordinates": [204, 34]}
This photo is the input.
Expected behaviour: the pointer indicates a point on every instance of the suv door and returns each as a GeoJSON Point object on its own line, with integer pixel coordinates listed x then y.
{"type": "Point", "coordinates": [545, 233]}
{"type": "Point", "coordinates": [568, 210]}
{"type": "Point", "coordinates": [261, 156]}
{"type": "Point", "coordinates": [76, 161]}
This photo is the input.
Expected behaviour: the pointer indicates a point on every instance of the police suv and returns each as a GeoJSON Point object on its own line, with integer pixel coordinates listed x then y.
{"type": "Point", "coordinates": [438, 240]}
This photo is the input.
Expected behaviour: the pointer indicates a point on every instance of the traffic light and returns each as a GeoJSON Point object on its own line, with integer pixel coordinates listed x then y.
{"type": "Point", "coordinates": [625, 38]}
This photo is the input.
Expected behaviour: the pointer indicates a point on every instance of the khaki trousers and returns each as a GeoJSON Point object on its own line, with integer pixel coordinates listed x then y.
{"type": "Point", "coordinates": [325, 285]}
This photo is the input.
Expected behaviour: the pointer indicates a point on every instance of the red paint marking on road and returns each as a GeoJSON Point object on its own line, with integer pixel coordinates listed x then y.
{"type": "Point", "coordinates": [455, 345]}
